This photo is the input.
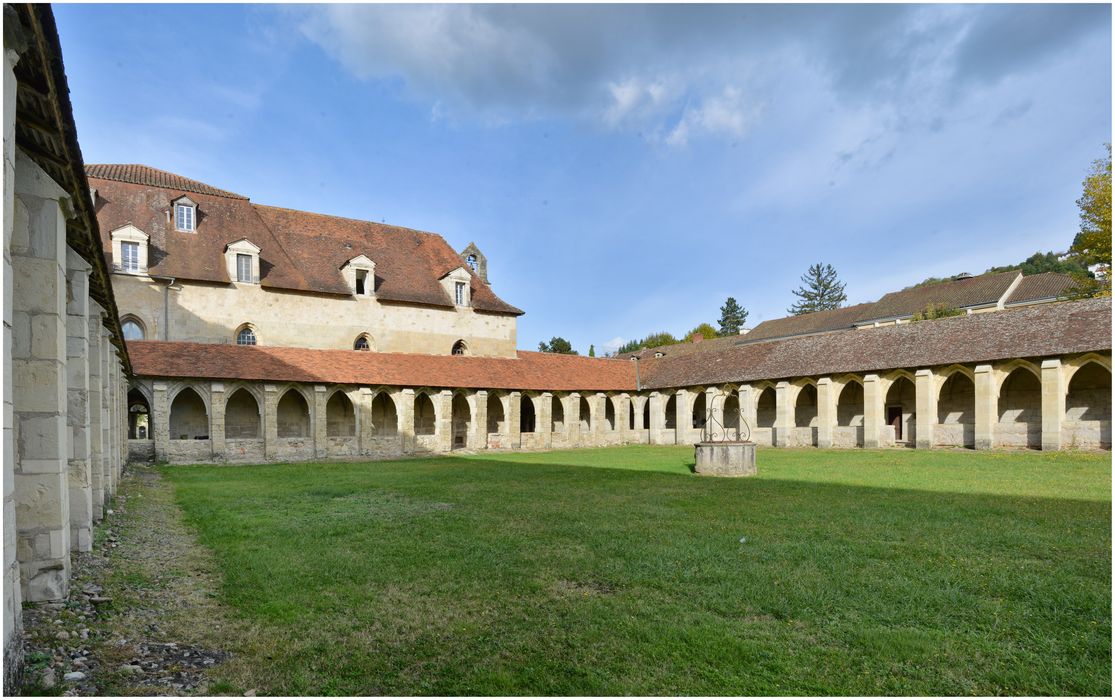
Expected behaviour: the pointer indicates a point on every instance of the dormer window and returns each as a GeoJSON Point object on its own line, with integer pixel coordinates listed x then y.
{"type": "Point", "coordinates": [456, 284]}
{"type": "Point", "coordinates": [360, 274]}
{"type": "Point", "coordinates": [129, 250]}
{"type": "Point", "coordinates": [242, 261]}
{"type": "Point", "coordinates": [185, 215]}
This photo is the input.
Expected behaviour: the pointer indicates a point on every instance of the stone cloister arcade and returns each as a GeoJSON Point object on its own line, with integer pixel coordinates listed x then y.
{"type": "Point", "coordinates": [1052, 404]}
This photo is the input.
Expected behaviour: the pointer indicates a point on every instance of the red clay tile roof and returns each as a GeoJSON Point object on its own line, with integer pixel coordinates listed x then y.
{"type": "Point", "coordinates": [153, 177]}
{"type": "Point", "coordinates": [958, 294]}
{"type": "Point", "coordinates": [1029, 331]}
{"type": "Point", "coordinates": [530, 371]}
{"type": "Point", "coordinates": [299, 250]}
{"type": "Point", "coordinates": [1047, 285]}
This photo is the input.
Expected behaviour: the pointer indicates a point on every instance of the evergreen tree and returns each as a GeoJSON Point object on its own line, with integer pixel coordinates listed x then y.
{"type": "Point", "coordinates": [592, 350]}
{"type": "Point", "coordinates": [820, 291]}
{"type": "Point", "coordinates": [732, 317]}
{"type": "Point", "coordinates": [558, 345]}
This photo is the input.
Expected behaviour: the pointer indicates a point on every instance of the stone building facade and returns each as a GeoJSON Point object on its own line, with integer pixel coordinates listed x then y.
{"type": "Point", "coordinates": [65, 363]}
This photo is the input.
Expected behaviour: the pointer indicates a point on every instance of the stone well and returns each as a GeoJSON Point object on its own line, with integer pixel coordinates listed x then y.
{"type": "Point", "coordinates": [726, 458]}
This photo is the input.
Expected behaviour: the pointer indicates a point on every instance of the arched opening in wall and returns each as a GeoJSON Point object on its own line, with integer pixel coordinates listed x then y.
{"type": "Point", "coordinates": [460, 348]}
{"type": "Point", "coordinates": [646, 415]}
{"type": "Point", "coordinates": [133, 328]}
{"type": "Point", "coordinates": [242, 416]}
{"type": "Point", "coordinates": [246, 335]}
{"type": "Point", "coordinates": [496, 418]}
{"type": "Point", "coordinates": [385, 418]}
{"type": "Point", "coordinates": [363, 343]}
{"type": "Point", "coordinates": [526, 414]}
{"type": "Point", "coordinates": [424, 417]}
{"type": "Point", "coordinates": [462, 416]}
{"type": "Point", "coordinates": [899, 411]}
{"type": "Point", "coordinates": [805, 408]}
{"type": "Point", "coordinates": [584, 415]}
{"type": "Point", "coordinates": [609, 413]}
{"type": "Point", "coordinates": [849, 406]}
{"type": "Point", "coordinates": [766, 408]}
{"type": "Point", "coordinates": [730, 414]}
{"type": "Point", "coordinates": [1019, 410]}
{"type": "Point", "coordinates": [188, 418]}
{"type": "Point", "coordinates": [139, 416]}
{"type": "Point", "coordinates": [293, 415]}
{"type": "Point", "coordinates": [630, 415]}
{"type": "Point", "coordinates": [956, 412]}
{"type": "Point", "coordinates": [700, 411]}
{"type": "Point", "coordinates": [670, 420]}
{"type": "Point", "coordinates": [1088, 407]}
{"type": "Point", "coordinates": [340, 416]}
{"type": "Point", "coordinates": [557, 414]}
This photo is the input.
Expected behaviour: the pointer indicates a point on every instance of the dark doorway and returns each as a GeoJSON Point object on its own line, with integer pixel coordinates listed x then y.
{"type": "Point", "coordinates": [894, 417]}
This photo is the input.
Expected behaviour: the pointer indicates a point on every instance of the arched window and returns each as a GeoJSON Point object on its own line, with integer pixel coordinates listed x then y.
{"type": "Point", "coordinates": [526, 414]}
{"type": "Point", "coordinates": [362, 344]}
{"type": "Point", "coordinates": [472, 262]}
{"type": "Point", "coordinates": [246, 336]}
{"type": "Point", "coordinates": [459, 348]}
{"type": "Point", "coordinates": [139, 416]}
{"type": "Point", "coordinates": [133, 329]}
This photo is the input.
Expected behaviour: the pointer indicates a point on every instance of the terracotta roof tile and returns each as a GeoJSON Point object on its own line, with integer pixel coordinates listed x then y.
{"type": "Point", "coordinates": [1047, 285]}
{"type": "Point", "coordinates": [529, 371]}
{"type": "Point", "coordinates": [153, 177]}
{"type": "Point", "coordinates": [1030, 331]}
{"type": "Point", "coordinates": [300, 250]}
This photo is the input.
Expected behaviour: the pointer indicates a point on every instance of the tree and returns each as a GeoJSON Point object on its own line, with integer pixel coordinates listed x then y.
{"type": "Point", "coordinates": [732, 317]}
{"type": "Point", "coordinates": [1041, 262]}
{"type": "Point", "coordinates": [591, 350]}
{"type": "Point", "coordinates": [1093, 244]}
{"type": "Point", "coordinates": [705, 330]}
{"type": "Point", "coordinates": [933, 312]}
{"type": "Point", "coordinates": [651, 341]}
{"type": "Point", "coordinates": [558, 345]}
{"type": "Point", "coordinates": [820, 291]}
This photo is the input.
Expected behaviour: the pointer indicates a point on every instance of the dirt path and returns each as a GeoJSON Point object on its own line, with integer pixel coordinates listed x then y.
{"type": "Point", "coordinates": [142, 617]}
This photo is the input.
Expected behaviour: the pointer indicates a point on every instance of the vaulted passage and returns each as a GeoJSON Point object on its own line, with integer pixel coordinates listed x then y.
{"type": "Point", "coordinates": [1019, 410]}
{"type": "Point", "coordinates": [526, 414]}
{"type": "Point", "coordinates": [139, 416]}
{"type": "Point", "coordinates": [462, 416]}
{"type": "Point", "coordinates": [671, 409]}
{"type": "Point", "coordinates": [805, 408]}
{"type": "Point", "coordinates": [956, 412]}
{"type": "Point", "coordinates": [646, 415]}
{"type": "Point", "coordinates": [609, 413]}
{"type": "Point", "coordinates": [1088, 408]}
{"type": "Point", "coordinates": [424, 419]}
{"type": "Point", "coordinates": [557, 415]}
{"type": "Point", "coordinates": [700, 410]}
{"type": "Point", "coordinates": [340, 416]}
{"type": "Point", "coordinates": [901, 403]}
{"type": "Point", "coordinates": [188, 418]}
{"type": "Point", "coordinates": [385, 417]}
{"type": "Point", "coordinates": [496, 419]}
{"type": "Point", "coordinates": [731, 416]}
{"type": "Point", "coordinates": [766, 409]}
{"type": "Point", "coordinates": [242, 416]}
{"type": "Point", "coordinates": [293, 415]}
{"type": "Point", "coordinates": [585, 415]}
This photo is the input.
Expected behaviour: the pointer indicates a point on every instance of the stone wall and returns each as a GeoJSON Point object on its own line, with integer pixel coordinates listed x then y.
{"type": "Point", "coordinates": [212, 313]}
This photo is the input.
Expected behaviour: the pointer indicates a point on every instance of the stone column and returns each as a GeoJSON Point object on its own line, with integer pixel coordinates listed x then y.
{"type": "Point", "coordinates": [364, 427]}
{"type": "Point", "coordinates": [544, 420]}
{"type": "Point", "coordinates": [987, 409]}
{"type": "Point", "coordinates": [783, 415]}
{"type": "Point", "coordinates": [270, 421]}
{"type": "Point", "coordinates": [657, 418]}
{"type": "Point", "coordinates": [404, 406]}
{"type": "Point", "coordinates": [826, 412]}
{"type": "Point", "coordinates": [96, 414]}
{"type": "Point", "coordinates": [514, 429]}
{"type": "Point", "coordinates": [114, 420]}
{"type": "Point", "coordinates": [747, 408]}
{"type": "Point", "coordinates": [217, 421]}
{"type": "Point", "coordinates": [160, 422]}
{"type": "Point", "coordinates": [319, 422]}
{"type": "Point", "coordinates": [573, 420]}
{"type": "Point", "coordinates": [624, 424]}
{"type": "Point", "coordinates": [106, 414]}
{"type": "Point", "coordinates": [78, 411]}
{"type": "Point", "coordinates": [925, 397]}
{"type": "Point", "coordinates": [872, 411]}
{"type": "Point", "coordinates": [1053, 392]}
{"type": "Point", "coordinates": [38, 293]}
{"type": "Point", "coordinates": [480, 420]}
{"type": "Point", "coordinates": [597, 407]}
{"type": "Point", "coordinates": [639, 404]}
{"type": "Point", "coordinates": [443, 420]}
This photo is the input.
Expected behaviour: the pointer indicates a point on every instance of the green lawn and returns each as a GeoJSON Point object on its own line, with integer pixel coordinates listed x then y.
{"type": "Point", "coordinates": [617, 571]}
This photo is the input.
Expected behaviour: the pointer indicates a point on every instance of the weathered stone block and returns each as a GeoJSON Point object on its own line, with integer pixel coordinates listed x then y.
{"type": "Point", "coordinates": [725, 458]}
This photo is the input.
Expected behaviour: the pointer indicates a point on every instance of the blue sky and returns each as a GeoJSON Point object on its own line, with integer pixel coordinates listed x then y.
{"type": "Point", "coordinates": [626, 168]}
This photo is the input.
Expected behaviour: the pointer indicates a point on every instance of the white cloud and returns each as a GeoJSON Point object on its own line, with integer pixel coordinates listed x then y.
{"type": "Point", "coordinates": [727, 114]}
{"type": "Point", "coordinates": [614, 344]}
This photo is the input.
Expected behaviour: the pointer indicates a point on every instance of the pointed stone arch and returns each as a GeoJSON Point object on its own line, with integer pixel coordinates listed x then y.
{"type": "Point", "coordinates": [243, 414]}
{"type": "Point", "coordinates": [189, 414]}
{"type": "Point", "coordinates": [292, 413]}
{"type": "Point", "coordinates": [1019, 406]}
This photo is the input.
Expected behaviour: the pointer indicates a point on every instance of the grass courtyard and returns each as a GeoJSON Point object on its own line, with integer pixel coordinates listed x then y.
{"type": "Point", "coordinates": [616, 571]}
